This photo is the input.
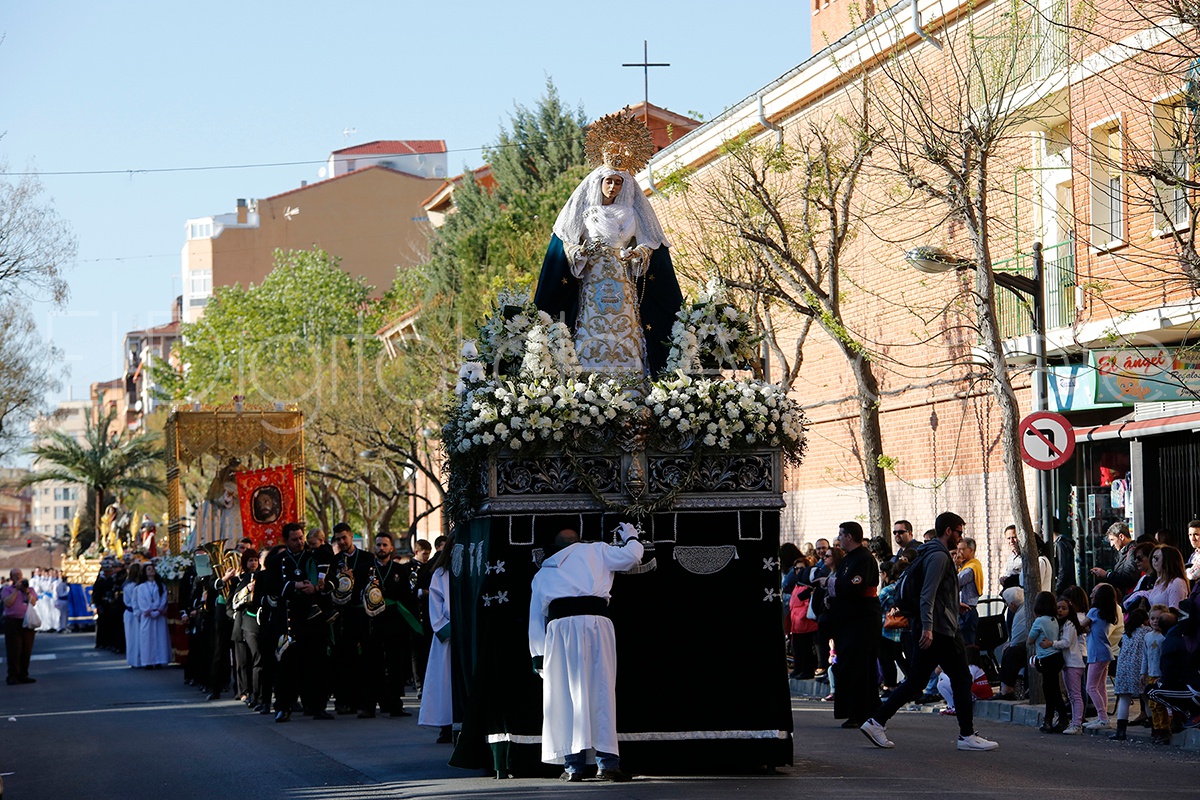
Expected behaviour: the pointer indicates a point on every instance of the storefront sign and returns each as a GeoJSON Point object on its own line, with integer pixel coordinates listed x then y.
{"type": "Point", "coordinates": [1073, 388]}
{"type": "Point", "coordinates": [1146, 375]}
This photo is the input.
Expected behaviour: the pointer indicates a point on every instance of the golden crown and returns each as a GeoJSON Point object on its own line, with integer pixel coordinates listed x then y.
{"type": "Point", "coordinates": [619, 141]}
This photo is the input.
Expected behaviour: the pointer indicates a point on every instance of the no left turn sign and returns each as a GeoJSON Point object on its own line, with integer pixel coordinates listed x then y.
{"type": "Point", "coordinates": [1047, 440]}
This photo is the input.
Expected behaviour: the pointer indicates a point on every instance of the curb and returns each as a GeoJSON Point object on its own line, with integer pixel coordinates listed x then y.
{"type": "Point", "coordinates": [1008, 711]}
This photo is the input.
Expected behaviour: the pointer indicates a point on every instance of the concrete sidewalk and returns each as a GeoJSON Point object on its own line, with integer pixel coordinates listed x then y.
{"type": "Point", "coordinates": [1014, 712]}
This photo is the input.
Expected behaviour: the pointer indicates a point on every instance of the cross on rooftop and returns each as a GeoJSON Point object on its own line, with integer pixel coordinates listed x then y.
{"type": "Point", "coordinates": [646, 65]}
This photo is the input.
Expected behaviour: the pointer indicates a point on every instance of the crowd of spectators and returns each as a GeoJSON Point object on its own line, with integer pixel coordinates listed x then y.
{"type": "Point", "coordinates": [1134, 636]}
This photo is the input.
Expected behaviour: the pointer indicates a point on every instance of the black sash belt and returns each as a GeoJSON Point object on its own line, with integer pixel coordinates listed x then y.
{"type": "Point", "coordinates": [577, 607]}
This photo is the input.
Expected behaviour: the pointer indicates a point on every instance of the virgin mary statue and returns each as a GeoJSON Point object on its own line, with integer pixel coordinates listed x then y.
{"type": "Point", "coordinates": [607, 271]}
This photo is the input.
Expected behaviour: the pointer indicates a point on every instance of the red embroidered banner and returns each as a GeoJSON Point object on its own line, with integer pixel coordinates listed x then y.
{"type": "Point", "coordinates": [268, 502]}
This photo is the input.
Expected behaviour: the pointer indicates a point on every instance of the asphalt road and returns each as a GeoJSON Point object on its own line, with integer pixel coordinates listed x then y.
{"type": "Point", "coordinates": [92, 728]}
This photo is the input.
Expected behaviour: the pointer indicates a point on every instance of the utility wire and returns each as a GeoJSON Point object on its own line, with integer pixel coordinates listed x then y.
{"type": "Point", "coordinates": [267, 165]}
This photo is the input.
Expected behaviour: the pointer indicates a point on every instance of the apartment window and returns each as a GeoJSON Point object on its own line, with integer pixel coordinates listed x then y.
{"type": "Point", "coordinates": [1108, 188]}
{"type": "Point", "coordinates": [200, 282]}
{"type": "Point", "coordinates": [350, 165]}
{"type": "Point", "coordinates": [200, 230]}
{"type": "Point", "coordinates": [1172, 138]}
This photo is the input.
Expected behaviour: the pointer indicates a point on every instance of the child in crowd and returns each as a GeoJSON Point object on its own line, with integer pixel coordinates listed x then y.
{"type": "Point", "coordinates": [1131, 667]}
{"type": "Point", "coordinates": [1102, 616]}
{"type": "Point", "coordinates": [1161, 620]}
{"type": "Point", "coordinates": [1073, 646]}
{"type": "Point", "coordinates": [1043, 633]}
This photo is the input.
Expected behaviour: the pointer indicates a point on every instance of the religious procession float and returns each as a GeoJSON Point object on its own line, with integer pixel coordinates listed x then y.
{"type": "Point", "coordinates": [607, 399]}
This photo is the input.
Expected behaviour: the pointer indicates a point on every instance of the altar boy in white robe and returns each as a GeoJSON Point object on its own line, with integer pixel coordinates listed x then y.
{"type": "Point", "coordinates": [574, 649]}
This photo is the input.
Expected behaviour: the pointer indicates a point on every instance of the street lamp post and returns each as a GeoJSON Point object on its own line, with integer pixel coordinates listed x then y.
{"type": "Point", "coordinates": [934, 261]}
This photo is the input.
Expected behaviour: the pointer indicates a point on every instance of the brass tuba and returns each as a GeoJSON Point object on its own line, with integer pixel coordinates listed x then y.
{"type": "Point", "coordinates": [223, 560]}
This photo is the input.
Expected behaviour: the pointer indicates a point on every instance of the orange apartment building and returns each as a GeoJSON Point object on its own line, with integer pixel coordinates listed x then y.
{"type": "Point", "coordinates": [368, 213]}
{"type": "Point", "coordinates": [1065, 177]}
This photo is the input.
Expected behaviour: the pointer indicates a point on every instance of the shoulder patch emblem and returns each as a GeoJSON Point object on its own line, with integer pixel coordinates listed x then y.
{"type": "Point", "coordinates": [856, 579]}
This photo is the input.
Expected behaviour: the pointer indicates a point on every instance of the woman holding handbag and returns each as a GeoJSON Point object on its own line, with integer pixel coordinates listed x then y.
{"type": "Point", "coordinates": [21, 621]}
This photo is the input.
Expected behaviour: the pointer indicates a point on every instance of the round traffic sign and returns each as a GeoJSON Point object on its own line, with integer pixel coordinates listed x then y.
{"type": "Point", "coordinates": [1047, 440]}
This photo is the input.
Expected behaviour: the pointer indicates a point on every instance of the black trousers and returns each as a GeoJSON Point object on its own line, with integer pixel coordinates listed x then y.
{"type": "Point", "coordinates": [221, 667]}
{"type": "Point", "coordinates": [1012, 661]}
{"type": "Point", "coordinates": [947, 652]}
{"type": "Point", "coordinates": [856, 671]}
{"type": "Point", "coordinates": [891, 655]}
{"type": "Point", "coordinates": [349, 643]}
{"type": "Point", "coordinates": [1051, 669]}
{"type": "Point", "coordinates": [303, 672]}
{"type": "Point", "coordinates": [248, 658]}
{"type": "Point", "coordinates": [18, 647]}
{"type": "Point", "coordinates": [388, 662]}
{"type": "Point", "coordinates": [804, 654]}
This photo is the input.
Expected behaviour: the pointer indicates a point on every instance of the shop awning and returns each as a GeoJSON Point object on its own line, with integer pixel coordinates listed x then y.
{"type": "Point", "coordinates": [1136, 429]}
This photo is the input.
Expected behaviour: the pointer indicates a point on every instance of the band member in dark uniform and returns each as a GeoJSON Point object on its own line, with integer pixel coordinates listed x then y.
{"type": "Point", "coordinates": [348, 578]}
{"type": "Point", "coordinates": [247, 656]}
{"type": "Point", "coordinates": [272, 623]}
{"type": "Point", "coordinates": [287, 577]}
{"type": "Point", "coordinates": [389, 643]}
{"type": "Point", "coordinates": [857, 627]}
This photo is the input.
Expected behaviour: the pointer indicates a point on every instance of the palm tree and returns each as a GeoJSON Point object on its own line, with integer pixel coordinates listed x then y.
{"type": "Point", "coordinates": [104, 461]}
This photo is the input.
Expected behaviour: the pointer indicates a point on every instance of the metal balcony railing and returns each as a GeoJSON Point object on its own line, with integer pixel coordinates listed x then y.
{"type": "Point", "coordinates": [1014, 314]}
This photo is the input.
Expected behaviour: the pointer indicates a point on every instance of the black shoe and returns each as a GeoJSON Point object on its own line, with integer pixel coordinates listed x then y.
{"type": "Point", "coordinates": [1119, 736]}
{"type": "Point", "coordinates": [28, 679]}
{"type": "Point", "coordinates": [283, 716]}
{"type": "Point", "coordinates": [614, 775]}
{"type": "Point", "coordinates": [366, 714]}
{"type": "Point", "coordinates": [264, 709]}
{"type": "Point", "coordinates": [400, 712]}
{"type": "Point", "coordinates": [13, 681]}
{"type": "Point", "coordinates": [343, 709]}
{"type": "Point", "coordinates": [444, 738]}
{"type": "Point", "coordinates": [213, 696]}
{"type": "Point", "coordinates": [570, 777]}
{"type": "Point", "coordinates": [853, 723]}
{"type": "Point", "coordinates": [322, 715]}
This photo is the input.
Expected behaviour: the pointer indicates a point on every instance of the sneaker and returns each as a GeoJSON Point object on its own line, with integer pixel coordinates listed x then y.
{"type": "Point", "coordinates": [876, 733]}
{"type": "Point", "coordinates": [571, 777]}
{"type": "Point", "coordinates": [1099, 725]}
{"type": "Point", "coordinates": [1073, 730]}
{"type": "Point", "coordinates": [975, 742]}
{"type": "Point", "coordinates": [948, 712]}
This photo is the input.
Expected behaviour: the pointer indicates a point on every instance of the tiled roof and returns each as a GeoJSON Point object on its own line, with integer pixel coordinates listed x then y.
{"type": "Point", "coordinates": [394, 147]}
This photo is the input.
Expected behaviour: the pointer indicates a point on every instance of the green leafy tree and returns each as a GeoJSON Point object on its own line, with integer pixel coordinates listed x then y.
{"type": "Point", "coordinates": [539, 145]}
{"type": "Point", "coordinates": [254, 342]}
{"type": "Point", "coordinates": [106, 461]}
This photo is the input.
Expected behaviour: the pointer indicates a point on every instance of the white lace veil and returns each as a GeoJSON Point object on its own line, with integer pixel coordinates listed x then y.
{"type": "Point", "coordinates": [569, 225]}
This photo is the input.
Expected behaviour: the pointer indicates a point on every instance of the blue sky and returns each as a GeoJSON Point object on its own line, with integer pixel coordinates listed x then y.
{"type": "Point", "coordinates": [148, 85]}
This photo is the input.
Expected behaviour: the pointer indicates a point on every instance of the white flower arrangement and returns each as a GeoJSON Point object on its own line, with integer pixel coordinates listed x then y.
{"type": "Point", "coordinates": [727, 414]}
{"type": "Point", "coordinates": [512, 414]}
{"type": "Point", "coordinates": [171, 568]}
{"type": "Point", "coordinates": [712, 331]}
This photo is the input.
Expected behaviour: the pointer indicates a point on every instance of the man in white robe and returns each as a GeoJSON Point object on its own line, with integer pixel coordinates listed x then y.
{"type": "Point", "coordinates": [574, 649]}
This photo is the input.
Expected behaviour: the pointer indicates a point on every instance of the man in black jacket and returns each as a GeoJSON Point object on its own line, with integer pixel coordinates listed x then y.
{"type": "Point", "coordinates": [937, 640]}
{"type": "Point", "coordinates": [1124, 575]}
{"type": "Point", "coordinates": [351, 570]}
{"type": "Point", "coordinates": [286, 576]}
{"type": "Point", "coordinates": [857, 624]}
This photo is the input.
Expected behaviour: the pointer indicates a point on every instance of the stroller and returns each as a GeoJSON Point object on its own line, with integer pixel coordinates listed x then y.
{"type": "Point", "coordinates": [992, 633]}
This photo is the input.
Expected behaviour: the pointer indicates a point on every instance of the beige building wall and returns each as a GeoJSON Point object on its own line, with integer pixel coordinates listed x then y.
{"type": "Point", "coordinates": [371, 219]}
